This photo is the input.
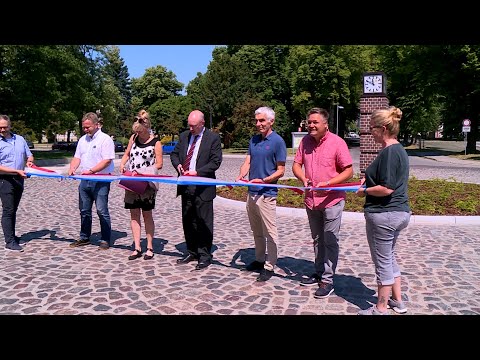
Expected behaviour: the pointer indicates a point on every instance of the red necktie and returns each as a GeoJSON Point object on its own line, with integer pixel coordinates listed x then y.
{"type": "Point", "coordinates": [186, 163]}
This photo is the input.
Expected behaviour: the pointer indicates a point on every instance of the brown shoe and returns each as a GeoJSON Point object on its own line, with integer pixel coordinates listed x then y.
{"type": "Point", "coordinates": [80, 242]}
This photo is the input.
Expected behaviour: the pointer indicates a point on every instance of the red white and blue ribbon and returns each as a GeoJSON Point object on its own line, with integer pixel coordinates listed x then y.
{"type": "Point", "coordinates": [39, 171]}
{"type": "Point", "coordinates": [186, 180]}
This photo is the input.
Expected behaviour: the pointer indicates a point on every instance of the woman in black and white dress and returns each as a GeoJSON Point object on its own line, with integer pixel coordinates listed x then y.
{"type": "Point", "coordinates": [144, 156]}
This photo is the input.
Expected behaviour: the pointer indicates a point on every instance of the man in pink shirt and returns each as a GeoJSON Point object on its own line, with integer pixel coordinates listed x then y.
{"type": "Point", "coordinates": [326, 161]}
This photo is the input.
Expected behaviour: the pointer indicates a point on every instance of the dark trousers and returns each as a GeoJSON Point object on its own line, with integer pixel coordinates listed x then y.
{"type": "Point", "coordinates": [11, 190]}
{"type": "Point", "coordinates": [197, 220]}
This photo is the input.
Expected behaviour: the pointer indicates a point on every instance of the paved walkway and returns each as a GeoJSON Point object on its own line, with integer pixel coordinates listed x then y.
{"type": "Point", "coordinates": [440, 263]}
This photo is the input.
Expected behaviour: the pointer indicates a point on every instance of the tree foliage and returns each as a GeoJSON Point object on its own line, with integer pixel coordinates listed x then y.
{"type": "Point", "coordinates": [157, 83]}
{"type": "Point", "coordinates": [169, 116]}
{"type": "Point", "coordinates": [47, 89]}
{"type": "Point", "coordinates": [117, 87]}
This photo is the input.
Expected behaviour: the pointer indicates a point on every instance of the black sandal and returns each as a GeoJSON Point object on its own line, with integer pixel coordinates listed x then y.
{"type": "Point", "coordinates": [148, 257]}
{"type": "Point", "coordinates": [138, 253]}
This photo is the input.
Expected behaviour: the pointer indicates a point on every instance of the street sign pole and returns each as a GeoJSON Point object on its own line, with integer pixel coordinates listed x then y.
{"type": "Point", "coordinates": [466, 129]}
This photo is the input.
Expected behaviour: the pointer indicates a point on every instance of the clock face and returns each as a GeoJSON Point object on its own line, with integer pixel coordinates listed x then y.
{"type": "Point", "coordinates": [372, 84]}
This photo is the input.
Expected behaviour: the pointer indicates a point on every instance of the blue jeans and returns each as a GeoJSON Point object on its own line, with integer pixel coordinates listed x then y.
{"type": "Point", "coordinates": [94, 191]}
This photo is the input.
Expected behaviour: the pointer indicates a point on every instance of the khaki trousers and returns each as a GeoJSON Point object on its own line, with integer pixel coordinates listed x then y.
{"type": "Point", "coordinates": [262, 214]}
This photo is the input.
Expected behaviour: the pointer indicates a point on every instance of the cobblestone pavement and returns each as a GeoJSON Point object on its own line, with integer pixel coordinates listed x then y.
{"type": "Point", "coordinates": [440, 263]}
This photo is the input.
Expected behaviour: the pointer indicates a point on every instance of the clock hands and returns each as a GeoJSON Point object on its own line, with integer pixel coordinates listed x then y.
{"type": "Point", "coordinates": [373, 84]}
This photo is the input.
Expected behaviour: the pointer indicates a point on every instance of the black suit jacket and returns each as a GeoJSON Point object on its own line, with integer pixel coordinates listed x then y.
{"type": "Point", "coordinates": [208, 161]}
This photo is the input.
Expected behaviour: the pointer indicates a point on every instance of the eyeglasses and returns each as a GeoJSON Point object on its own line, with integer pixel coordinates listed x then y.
{"type": "Point", "coordinates": [139, 119]}
{"type": "Point", "coordinates": [375, 127]}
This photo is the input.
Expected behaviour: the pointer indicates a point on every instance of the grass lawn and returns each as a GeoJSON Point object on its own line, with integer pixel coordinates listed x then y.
{"type": "Point", "coordinates": [52, 154]}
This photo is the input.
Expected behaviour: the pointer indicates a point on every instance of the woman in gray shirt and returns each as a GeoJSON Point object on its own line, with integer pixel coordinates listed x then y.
{"type": "Point", "coordinates": [386, 208]}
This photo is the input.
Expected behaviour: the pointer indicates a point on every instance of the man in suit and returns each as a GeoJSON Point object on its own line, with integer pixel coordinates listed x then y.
{"type": "Point", "coordinates": [198, 153]}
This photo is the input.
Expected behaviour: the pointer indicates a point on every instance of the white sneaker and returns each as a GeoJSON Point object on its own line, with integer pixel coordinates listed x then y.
{"type": "Point", "coordinates": [372, 311]}
{"type": "Point", "coordinates": [397, 306]}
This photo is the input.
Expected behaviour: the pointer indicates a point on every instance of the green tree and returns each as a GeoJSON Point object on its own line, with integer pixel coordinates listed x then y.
{"type": "Point", "coordinates": [116, 70]}
{"type": "Point", "coordinates": [460, 86]}
{"type": "Point", "coordinates": [41, 85]}
{"type": "Point", "coordinates": [325, 75]}
{"type": "Point", "coordinates": [226, 83]}
{"type": "Point", "coordinates": [169, 116]}
{"type": "Point", "coordinates": [157, 83]}
{"type": "Point", "coordinates": [267, 64]}
{"type": "Point", "coordinates": [413, 86]}
{"type": "Point", "coordinates": [241, 125]}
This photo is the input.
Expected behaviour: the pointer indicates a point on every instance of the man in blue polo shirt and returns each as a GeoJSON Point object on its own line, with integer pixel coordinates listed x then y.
{"type": "Point", "coordinates": [14, 152]}
{"type": "Point", "coordinates": [265, 163]}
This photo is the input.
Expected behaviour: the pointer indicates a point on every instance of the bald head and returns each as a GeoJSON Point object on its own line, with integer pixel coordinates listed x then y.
{"type": "Point", "coordinates": [196, 122]}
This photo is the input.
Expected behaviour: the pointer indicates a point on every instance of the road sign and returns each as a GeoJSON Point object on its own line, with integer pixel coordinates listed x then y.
{"type": "Point", "coordinates": [466, 129]}
{"type": "Point", "coordinates": [466, 122]}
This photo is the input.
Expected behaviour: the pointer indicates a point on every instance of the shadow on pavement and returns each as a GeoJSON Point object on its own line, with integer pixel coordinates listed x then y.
{"type": "Point", "coordinates": [94, 238]}
{"type": "Point", "coordinates": [295, 269]}
{"type": "Point", "coordinates": [244, 255]}
{"type": "Point", "coordinates": [431, 152]}
{"type": "Point", "coordinates": [182, 248]}
{"type": "Point", "coordinates": [354, 291]}
{"type": "Point", "coordinates": [25, 238]}
{"type": "Point", "coordinates": [158, 244]}
{"type": "Point", "coordinates": [114, 237]}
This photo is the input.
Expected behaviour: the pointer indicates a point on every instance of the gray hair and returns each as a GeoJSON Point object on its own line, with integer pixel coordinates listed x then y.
{"type": "Point", "coordinates": [93, 117]}
{"type": "Point", "coordinates": [267, 111]}
{"type": "Point", "coordinates": [322, 112]}
{"type": "Point", "coordinates": [5, 117]}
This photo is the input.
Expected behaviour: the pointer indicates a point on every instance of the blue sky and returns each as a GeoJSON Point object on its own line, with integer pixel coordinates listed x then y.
{"type": "Point", "coordinates": [183, 60]}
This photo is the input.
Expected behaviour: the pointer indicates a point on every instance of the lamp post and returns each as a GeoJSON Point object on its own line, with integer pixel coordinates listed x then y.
{"type": "Point", "coordinates": [338, 107]}
{"type": "Point", "coordinates": [211, 117]}
{"type": "Point", "coordinates": [209, 101]}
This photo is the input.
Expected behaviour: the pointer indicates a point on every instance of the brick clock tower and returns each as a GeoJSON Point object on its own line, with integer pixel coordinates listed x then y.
{"type": "Point", "coordinates": [374, 97]}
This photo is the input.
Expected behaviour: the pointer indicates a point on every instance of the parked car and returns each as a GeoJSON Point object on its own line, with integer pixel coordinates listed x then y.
{"type": "Point", "coordinates": [65, 146]}
{"type": "Point", "coordinates": [30, 144]}
{"type": "Point", "coordinates": [167, 148]}
{"type": "Point", "coordinates": [352, 139]}
{"type": "Point", "coordinates": [352, 134]}
{"type": "Point", "coordinates": [119, 146]}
